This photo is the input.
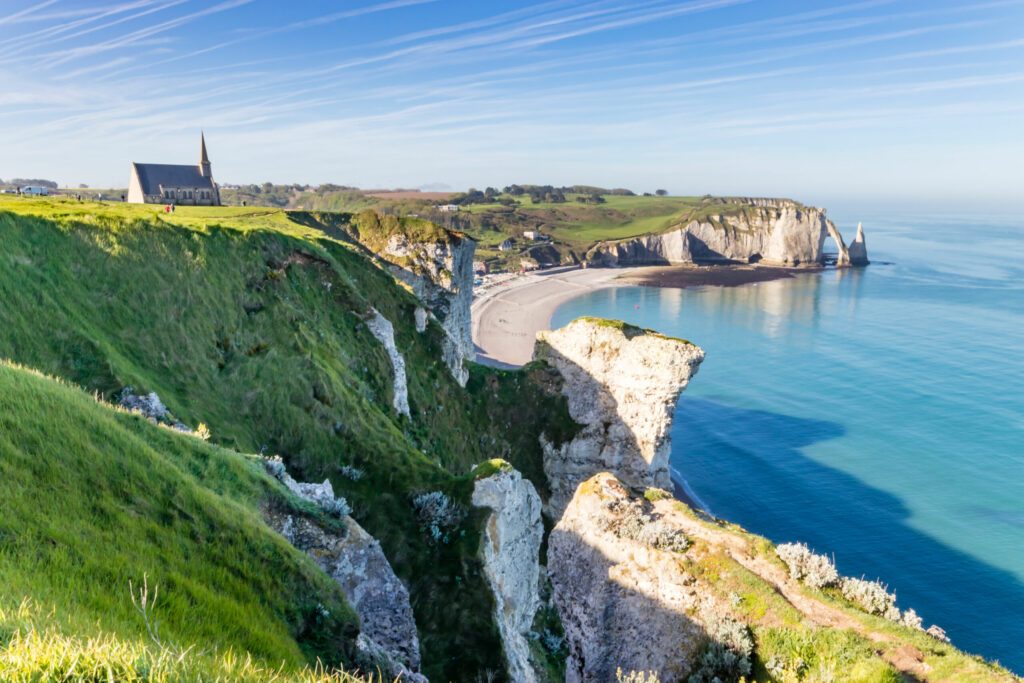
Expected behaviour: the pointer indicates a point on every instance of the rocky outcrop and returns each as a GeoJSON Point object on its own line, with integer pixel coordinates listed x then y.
{"type": "Point", "coordinates": [859, 248]}
{"type": "Point", "coordinates": [441, 274]}
{"type": "Point", "coordinates": [842, 253]}
{"type": "Point", "coordinates": [420, 317]}
{"type": "Point", "coordinates": [774, 232]}
{"type": "Point", "coordinates": [621, 384]}
{"type": "Point", "coordinates": [511, 554]}
{"type": "Point", "coordinates": [384, 331]}
{"type": "Point", "coordinates": [624, 603]}
{"type": "Point", "coordinates": [354, 559]}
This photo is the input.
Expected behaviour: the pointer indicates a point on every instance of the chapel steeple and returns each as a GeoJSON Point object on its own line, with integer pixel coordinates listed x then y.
{"type": "Point", "coordinates": [204, 160]}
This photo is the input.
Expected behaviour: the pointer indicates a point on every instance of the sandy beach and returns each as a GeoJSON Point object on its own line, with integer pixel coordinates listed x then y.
{"type": "Point", "coordinates": [508, 316]}
{"type": "Point", "coordinates": [509, 313]}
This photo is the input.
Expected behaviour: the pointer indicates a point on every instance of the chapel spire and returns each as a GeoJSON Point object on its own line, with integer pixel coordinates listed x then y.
{"type": "Point", "coordinates": [204, 159]}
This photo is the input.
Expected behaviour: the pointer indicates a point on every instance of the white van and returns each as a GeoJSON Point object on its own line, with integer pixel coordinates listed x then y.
{"type": "Point", "coordinates": [36, 190]}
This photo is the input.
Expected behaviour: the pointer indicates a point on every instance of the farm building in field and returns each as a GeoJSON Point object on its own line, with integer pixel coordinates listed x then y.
{"type": "Point", "coordinates": [507, 245]}
{"type": "Point", "coordinates": [174, 184]}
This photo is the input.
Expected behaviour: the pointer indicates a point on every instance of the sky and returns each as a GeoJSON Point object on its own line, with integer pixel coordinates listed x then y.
{"type": "Point", "coordinates": [886, 100]}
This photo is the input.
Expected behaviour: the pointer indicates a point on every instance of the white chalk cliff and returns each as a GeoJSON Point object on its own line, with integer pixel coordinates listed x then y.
{"type": "Point", "coordinates": [511, 555]}
{"type": "Point", "coordinates": [621, 384]}
{"type": "Point", "coordinates": [624, 603]}
{"type": "Point", "coordinates": [384, 331]}
{"type": "Point", "coordinates": [771, 231]}
{"type": "Point", "coordinates": [441, 275]}
{"type": "Point", "coordinates": [859, 249]}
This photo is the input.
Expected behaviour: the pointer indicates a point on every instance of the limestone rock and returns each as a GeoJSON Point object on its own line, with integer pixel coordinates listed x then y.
{"type": "Point", "coordinates": [621, 384]}
{"type": "Point", "coordinates": [859, 249]}
{"type": "Point", "coordinates": [354, 559]}
{"type": "Point", "coordinates": [843, 254]}
{"type": "Point", "coordinates": [420, 316]}
{"type": "Point", "coordinates": [771, 231]}
{"type": "Point", "coordinates": [511, 554]}
{"type": "Point", "coordinates": [384, 331]}
{"type": "Point", "coordinates": [441, 275]}
{"type": "Point", "coordinates": [623, 603]}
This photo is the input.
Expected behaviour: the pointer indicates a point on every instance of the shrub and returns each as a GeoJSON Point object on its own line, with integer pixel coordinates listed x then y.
{"type": "Point", "coordinates": [203, 432]}
{"type": "Point", "coordinates": [636, 677]}
{"type": "Point", "coordinates": [727, 655]}
{"type": "Point", "coordinates": [628, 521]}
{"type": "Point", "coordinates": [872, 597]}
{"type": "Point", "coordinates": [350, 472]}
{"type": "Point", "coordinates": [817, 571]}
{"type": "Point", "coordinates": [664, 536]}
{"type": "Point", "coordinates": [910, 619]}
{"type": "Point", "coordinates": [438, 514]}
{"type": "Point", "coordinates": [656, 494]}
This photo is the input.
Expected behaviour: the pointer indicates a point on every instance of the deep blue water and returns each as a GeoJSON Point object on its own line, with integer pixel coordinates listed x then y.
{"type": "Point", "coordinates": [877, 414]}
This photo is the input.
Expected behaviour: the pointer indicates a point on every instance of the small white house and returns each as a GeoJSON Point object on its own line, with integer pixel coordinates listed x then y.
{"type": "Point", "coordinates": [448, 208]}
{"type": "Point", "coordinates": [506, 245]}
{"type": "Point", "coordinates": [531, 234]}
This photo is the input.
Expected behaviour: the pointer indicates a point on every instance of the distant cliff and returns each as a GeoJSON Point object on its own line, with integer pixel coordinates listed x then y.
{"type": "Point", "coordinates": [778, 232]}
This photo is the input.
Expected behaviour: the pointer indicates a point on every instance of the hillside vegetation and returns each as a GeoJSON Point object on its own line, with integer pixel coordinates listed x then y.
{"type": "Point", "coordinates": [251, 321]}
{"type": "Point", "coordinates": [98, 504]}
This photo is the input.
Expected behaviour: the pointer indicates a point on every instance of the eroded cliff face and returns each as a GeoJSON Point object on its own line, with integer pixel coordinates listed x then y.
{"type": "Point", "coordinates": [623, 602]}
{"type": "Point", "coordinates": [354, 559]}
{"type": "Point", "coordinates": [511, 554]}
{"type": "Point", "coordinates": [381, 328]}
{"type": "Point", "coordinates": [441, 275]}
{"type": "Point", "coordinates": [842, 253]}
{"type": "Point", "coordinates": [621, 384]}
{"type": "Point", "coordinates": [774, 232]}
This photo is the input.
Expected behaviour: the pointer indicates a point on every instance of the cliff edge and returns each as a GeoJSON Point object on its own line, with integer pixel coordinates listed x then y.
{"type": "Point", "coordinates": [621, 384]}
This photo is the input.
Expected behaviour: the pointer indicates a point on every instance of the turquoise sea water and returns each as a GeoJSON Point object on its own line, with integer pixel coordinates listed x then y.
{"type": "Point", "coordinates": [877, 414]}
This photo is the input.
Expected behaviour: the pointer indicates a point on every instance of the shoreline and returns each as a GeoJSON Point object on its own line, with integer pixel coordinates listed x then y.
{"type": "Point", "coordinates": [508, 314]}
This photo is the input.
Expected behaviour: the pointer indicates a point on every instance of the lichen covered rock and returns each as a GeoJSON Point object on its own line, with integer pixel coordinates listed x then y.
{"type": "Point", "coordinates": [621, 384]}
{"type": "Point", "coordinates": [354, 559]}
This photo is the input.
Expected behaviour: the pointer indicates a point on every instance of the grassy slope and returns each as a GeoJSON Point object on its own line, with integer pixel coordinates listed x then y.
{"type": "Point", "coordinates": [251, 322]}
{"type": "Point", "coordinates": [859, 650]}
{"type": "Point", "coordinates": [94, 498]}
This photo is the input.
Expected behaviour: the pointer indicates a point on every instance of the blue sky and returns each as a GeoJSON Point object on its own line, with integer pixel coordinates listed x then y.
{"type": "Point", "coordinates": [867, 99]}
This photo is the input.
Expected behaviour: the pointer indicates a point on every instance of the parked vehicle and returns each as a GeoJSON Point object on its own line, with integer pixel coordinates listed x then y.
{"type": "Point", "coordinates": [35, 190]}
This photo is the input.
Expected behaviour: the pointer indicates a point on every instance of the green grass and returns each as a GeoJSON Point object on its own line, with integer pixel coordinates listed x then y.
{"type": "Point", "coordinates": [95, 498]}
{"type": "Point", "coordinates": [251, 321]}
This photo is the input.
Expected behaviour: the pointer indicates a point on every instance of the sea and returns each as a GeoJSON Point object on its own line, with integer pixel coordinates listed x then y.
{"type": "Point", "coordinates": [875, 413]}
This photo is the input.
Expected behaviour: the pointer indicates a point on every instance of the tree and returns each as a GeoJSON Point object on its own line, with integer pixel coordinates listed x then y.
{"type": "Point", "coordinates": [661, 193]}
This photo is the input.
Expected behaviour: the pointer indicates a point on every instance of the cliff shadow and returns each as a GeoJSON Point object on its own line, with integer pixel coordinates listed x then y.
{"type": "Point", "coordinates": [749, 467]}
{"type": "Point", "coordinates": [611, 621]}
